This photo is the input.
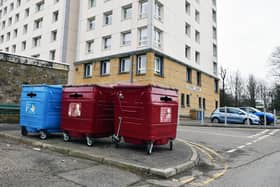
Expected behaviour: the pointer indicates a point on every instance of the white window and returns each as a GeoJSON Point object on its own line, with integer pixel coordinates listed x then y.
{"type": "Point", "coordinates": [38, 23]}
{"type": "Point", "coordinates": [53, 35]}
{"type": "Point", "coordinates": [197, 16]}
{"type": "Point", "coordinates": [25, 28]}
{"type": "Point", "coordinates": [17, 17]}
{"type": "Point", "coordinates": [12, 7]}
{"type": "Point", "coordinates": [127, 12]}
{"type": "Point", "coordinates": [18, 3]}
{"type": "Point", "coordinates": [108, 18]}
{"type": "Point", "coordinates": [214, 33]}
{"type": "Point", "coordinates": [197, 36]}
{"type": "Point", "coordinates": [125, 64]}
{"type": "Point", "coordinates": [15, 33]}
{"type": "Point", "coordinates": [107, 42]}
{"type": "Point", "coordinates": [39, 6]}
{"type": "Point", "coordinates": [87, 70]}
{"type": "Point", "coordinates": [89, 46]}
{"type": "Point", "coordinates": [52, 55]}
{"type": "Point", "coordinates": [91, 23]}
{"type": "Point", "coordinates": [143, 9]}
{"type": "Point", "coordinates": [26, 12]}
{"type": "Point", "coordinates": [37, 41]}
{"type": "Point", "coordinates": [126, 38]}
{"type": "Point", "coordinates": [10, 20]}
{"type": "Point", "coordinates": [143, 36]}
{"type": "Point", "coordinates": [91, 3]}
{"type": "Point", "coordinates": [14, 47]}
{"type": "Point", "coordinates": [188, 52]}
{"type": "Point", "coordinates": [2, 39]}
{"type": "Point", "coordinates": [188, 29]}
{"type": "Point", "coordinates": [141, 64]}
{"type": "Point", "coordinates": [8, 36]}
{"type": "Point", "coordinates": [158, 10]}
{"type": "Point", "coordinates": [215, 68]}
{"type": "Point", "coordinates": [23, 45]}
{"type": "Point", "coordinates": [158, 65]}
{"type": "Point", "coordinates": [105, 67]}
{"type": "Point", "coordinates": [188, 7]}
{"type": "Point", "coordinates": [215, 50]}
{"type": "Point", "coordinates": [55, 16]}
{"type": "Point", "coordinates": [214, 16]}
{"type": "Point", "coordinates": [157, 38]}
{"type": "Point", "coordinates": [197, 57]}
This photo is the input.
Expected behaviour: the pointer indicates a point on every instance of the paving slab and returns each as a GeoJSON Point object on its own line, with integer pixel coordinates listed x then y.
{"type": "Point", "coordinates": [162, 162]}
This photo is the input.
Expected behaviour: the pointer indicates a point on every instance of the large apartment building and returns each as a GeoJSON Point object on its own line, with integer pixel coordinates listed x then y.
{"type": "Point", "coordinates": [161, 42]}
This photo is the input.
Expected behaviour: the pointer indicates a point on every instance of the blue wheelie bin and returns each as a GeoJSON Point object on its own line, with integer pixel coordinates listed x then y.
{"type": "Point", "coordinates": [40, 109]}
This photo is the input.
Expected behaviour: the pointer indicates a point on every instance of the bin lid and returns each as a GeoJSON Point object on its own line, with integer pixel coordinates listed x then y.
{"type": "Point", "coordinates": [87, 85]}
{"type": "Point", "coordinates": [142, 86]}
{"type": "Point", "coordinates": [42, 85]}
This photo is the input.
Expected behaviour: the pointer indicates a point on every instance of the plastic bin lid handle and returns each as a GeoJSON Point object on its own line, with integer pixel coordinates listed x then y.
{"type": "Point", "coordinates": [31, 94]}
{"type": "Point", "coordinates": [76, 95]}
{"type": "Point", "coordinates": [166, 99]}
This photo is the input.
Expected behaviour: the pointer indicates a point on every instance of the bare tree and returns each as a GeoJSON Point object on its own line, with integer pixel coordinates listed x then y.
{"type": "Point", "coordinates": [252, 89]}
{"type": "Point", "coordinates": [262, 92]}
{"type": "Point", "coordinates": [236, 87]}
{"type": "Point", "coordinates": [275, 62]}
{"type": "Point", "coordinates": [223, 74]}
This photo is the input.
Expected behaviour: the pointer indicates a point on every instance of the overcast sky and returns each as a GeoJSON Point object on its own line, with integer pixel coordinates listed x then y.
{"type": "Point", "coordinates": [248, 30]}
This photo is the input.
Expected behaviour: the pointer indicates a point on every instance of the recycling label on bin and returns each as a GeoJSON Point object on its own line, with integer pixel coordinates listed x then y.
{"type": "Point", "coordinates": [165, 114]}
{"type": "Point", "coordinates": [30, 108]}
{"type": "Point", "coordinates": [74, 109]}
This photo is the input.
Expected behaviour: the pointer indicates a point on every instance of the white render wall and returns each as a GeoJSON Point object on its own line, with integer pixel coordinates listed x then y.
{"type": "Point", "coordinates": [173, 27]}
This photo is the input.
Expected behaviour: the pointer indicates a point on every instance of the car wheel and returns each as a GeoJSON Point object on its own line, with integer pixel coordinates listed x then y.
{"type": "Point", "coordinates": [215, 120]}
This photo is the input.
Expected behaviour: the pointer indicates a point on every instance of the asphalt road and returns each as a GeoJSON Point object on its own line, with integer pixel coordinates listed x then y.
{"type": "Point", "coordinates": [252, 156]}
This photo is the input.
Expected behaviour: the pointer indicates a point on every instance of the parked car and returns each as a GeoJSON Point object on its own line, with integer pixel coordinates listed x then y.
{"type": "Point", "coordinates": [234, 115]}
{"type": "Point", "coordinates": [269, 117]}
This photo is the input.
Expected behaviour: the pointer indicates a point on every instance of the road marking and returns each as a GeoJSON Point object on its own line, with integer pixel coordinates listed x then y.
{"type": "Point", "coordinates": [186, 180]}
{"type": "Point", "coordinates": [249, 143]}
{"type": "Point", "coordinates": [241, 147]}
{"type": "Point", "coordinates": [215, 134]}
{"type": "Point", "coordinates": [274, 132]}
{"type": "Point", "coordinates": [232, 150]}
{"type": "Point", "coordinates": [258, 134]}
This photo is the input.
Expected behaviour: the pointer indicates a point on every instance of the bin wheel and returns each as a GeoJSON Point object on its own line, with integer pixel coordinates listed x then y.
{"type": "Point", "coordinates": [150, 148]}
{"type": "Point", "coordinates": [116, 140]}
{"type": "Point", "coordinates": [66, 137]}
{"type": "Point", "coordinates": [23, 131]}
{"type": "Point", "coordinates": [171, 145]}
{"type": "Point", "coordinates": [89, 141]}
{"type": "Point", "coordinates": [43, 135]}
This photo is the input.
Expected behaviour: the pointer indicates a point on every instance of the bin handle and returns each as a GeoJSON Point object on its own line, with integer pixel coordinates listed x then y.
{"type": "Point", "coordinates": [166, 98]}
{"type": "Point", "coordinates": [76, 95]}
{"type": "Point", "coordinates": [31, 94]}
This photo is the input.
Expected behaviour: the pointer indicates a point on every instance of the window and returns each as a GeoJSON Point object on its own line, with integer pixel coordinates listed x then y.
{"type": "Point", "coordinates": [91, 23]}
{"type": "Point", "coordinates": [158, 65]}
{"type": "Point", "coordinates": [197, 36]}
{"type": "Point", "coordinates": [56, 1]}
{"type": "Point", "coordinates": [127, 12]}
{"type": "Point", "coordinates": [143, 36]}
{"type": "Point", "coordinates": [25, 28]}
{"type": "Point", "coordinates": [105, 67]}
{"type": "Point", "coordinates": [125, 64]}
{"type": "Point", "coordinates": [188, 100]}
{"type": "Point", "coordinates": [214, 33]}
{"type": "Point", "coordinates": [15, 33]}
{"type": "Point", "coordinates": [216, 85]}
{"type": "Point", "coordinates": [23, 45]}
{"type": "Point", "coordinates": [182, 100]}
{"type": "Point", "coordinates": [197, 57]}
{"type": "Point", "coordinates": [53, 35]}
{"type": "Point", "coordinates": [189, 75]}
{"type": "Point", "coordinates": [55, 16]}
{"type": "Point", "coordinates": [12, 7]}
{"type": "Point", "coordinates": [108, 18]}
{"type": "Point", "coordinates": [2, 39]}
{"type": "Point", "coordinates": [143, 9]}
{"type": "Point", "coordinates": [158, 11]}
{"type": "Point", "coordinates": [14, 47]}
{"type": "Point", "coordinates": [26, 12]}
{"type": "Point", "coordinates": [89, 46]}
{"type": "Point", "coordinates": [197, 16]}
{"type": "Point", "coordinates": [214, 16]}
{"type": "Point", "coordinates": [17, 17]}
{"type": "Point", "coordinates": [214, 2]}
{"type": "Point", "coordinates": [91, 3]}
{"type": "Point", "coordinates": [216, 104]}
{"type": "Point", "coordinates": [157, 38]}
{"type": "Point", "coordinates": [126, 38]}
{"type": "Point", "coordinates": [215, 50]}
{"type": "Point", "coordinates": [52, 55]}
{"type": "Point", "coordinates": [188, 29]}
{"type": "Point", "coordinates": [10, 20]}
{"type": "Point", "coordinates": [188, 7]}
{"type": "Point", "coordinates": [107, 42]}
{"type": "Point", "coordinates": [199, 103]}
{"type": "Point", "coordinates": [3, 24]}
{"type": "Point", "coordinates": [37, 41]}
{"type": "Point", "coordinates": [38, 23]}
{"type": "Point", "coordinates": [198, 78]}
{"type": "Point", "coordinates": [8, 36]}
{"type": "Point", "coordinates": [39, 6]}
{"type": "Point", "coordinates": [18, 3]}
{"type": "Point", "coordinates": [204, 103]}
{"type": "Point", "coordinates": [215, 68]}
{"type": "Point", "coordinates": [7, 49]}
{"type": "Point", "coordinates": [188, 52]}
{"type": "Point", "coordinates": [141, 64]}
{"type": "Point", "coordinates": [87, 70]}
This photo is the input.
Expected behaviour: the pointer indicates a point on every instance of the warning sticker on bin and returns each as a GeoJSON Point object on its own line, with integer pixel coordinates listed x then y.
{"type": "Point", "coordinates": [165, 114]}
{"type": "Point", "coordinates": [74, 109]}
{"type": "Point", "coordinates": [30, 108]}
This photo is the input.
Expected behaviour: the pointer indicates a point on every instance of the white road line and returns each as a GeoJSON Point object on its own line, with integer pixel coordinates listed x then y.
{"type": "Point", "coordinates": [259, 134]}
{"type": "Point", "coordinates": [214, 134]}
{"type": "Point", "coordinates": [241, 147]}
{"type": "Point", "coordinates": [274, 132]}
{"type": "Point", "coordinates": [232, 150]}
{"type": "Point", "coordinates": [263, 137]}
{"type": "Point", "coordinates": [249, 143]}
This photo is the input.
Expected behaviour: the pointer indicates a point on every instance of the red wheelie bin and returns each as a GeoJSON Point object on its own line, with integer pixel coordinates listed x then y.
{"type": "Point", "coordinates": [87, 112]}
{"type": "Point", "coordinates": [145, 115]}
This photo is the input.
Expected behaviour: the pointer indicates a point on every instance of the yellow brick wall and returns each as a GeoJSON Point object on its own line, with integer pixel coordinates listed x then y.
{"type": "Point", "coordinates": [174, 77]}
